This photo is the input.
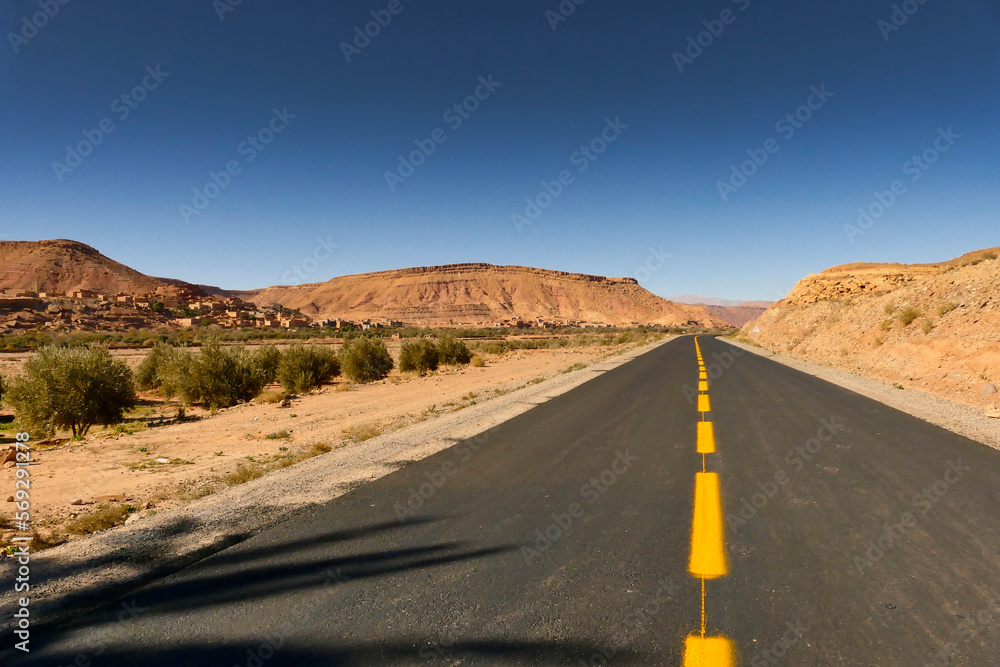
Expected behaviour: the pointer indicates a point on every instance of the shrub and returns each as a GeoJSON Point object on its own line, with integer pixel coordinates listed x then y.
{"type": "Point", "coordinates": [419, 355]}
{"type": "Point", "coordinates": [453, 351]}
{"type": "Point", "coordinates": [908, 315]}
{"type": "Point", "coordinates": [989, 255]}
{"type": "Point", "coordinates": [928, 326]}
{"type": "Point", "coordinates": [304, 367]}
{"type": "Point", "coordinates": [946, 308]}
{"type": "Point", "coordinates": [268, 357]}
{"type": "Point", "coordinates": [890, 308]}
{"type": "Point", "coordinates": [365, 359]}
{"type": "Point", "coordinates": [148, 374]}
{"type": "Point", "coordinates": [886, 325]}
{"type": "Point", "coordinates": [72, 388]}
{"type": "Point", "coordinates": [222, 377]}
{"type": "Point", "coordinates": [218, 377]}
{"type": "Point", "coordinates": [477, 361]}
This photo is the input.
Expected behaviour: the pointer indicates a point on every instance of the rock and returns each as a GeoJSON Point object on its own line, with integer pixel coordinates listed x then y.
{"type": "Point", "coordinates": [9, 464]}
{"type": "Point", "coordinates": [148, 506]}
{"type": "Point", "coordinates": [10, 499]}
{"type": "Point", "coordinates": [988, 389]}
{"type": "Point", "coordinates": [162, 460]}
{"type": "Point", "coordinates": [132, 517]}
{"type": "Point", "coordinates": [995, 414]}
{"type": "Point", "coordinates": [78, 501]}
{"type": "Point", "coordinates": [53, 308]}
{"type": "Point", "coordinates": [8, 454]}
{"type": "Point", "coordinates": [284, 403]}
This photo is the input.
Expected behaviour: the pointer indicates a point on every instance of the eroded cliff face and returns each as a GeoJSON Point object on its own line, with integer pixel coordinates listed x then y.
{"type": "Point", "coordinates": [484, 293]}
{"type": "Point", "coordinates": [930, 327]}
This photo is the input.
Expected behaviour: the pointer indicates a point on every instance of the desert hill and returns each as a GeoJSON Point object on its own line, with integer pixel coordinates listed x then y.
{"type": "Point", "coordinates": [61, 265]}
{"type": "Point", "coordinates": [473, 293]}
{"type": "Point", "coordinates": [932, 327]}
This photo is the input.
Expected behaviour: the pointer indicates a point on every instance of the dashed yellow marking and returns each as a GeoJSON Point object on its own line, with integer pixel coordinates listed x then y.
{"type": "Point", "coordinates": [702, 375]}
{"type": "Point", "coordinates": [708, 652]}
{"type": "Point", "coordinates": [706, 438]}
{"type": "Point", "coordinates": [702, 385]}
{"type": "Point", "coordinates": [708, 552]}
{"type": "Point", "coordinates": [703, 403]}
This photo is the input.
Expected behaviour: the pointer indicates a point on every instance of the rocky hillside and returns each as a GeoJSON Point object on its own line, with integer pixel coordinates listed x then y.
{"type": "Point", "coordinates": [930, 327]}
{"type": "Point", "coordinates": [472, 293]}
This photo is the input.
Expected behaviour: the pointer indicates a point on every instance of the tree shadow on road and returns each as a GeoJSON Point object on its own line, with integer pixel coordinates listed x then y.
{"type": "Point", "coordinates": [257, 570]}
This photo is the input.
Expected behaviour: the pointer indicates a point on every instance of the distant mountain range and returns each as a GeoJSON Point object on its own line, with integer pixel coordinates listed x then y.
{"type": "Point", "coordinates": [457, 293]}
{"type": "Point", "coordinates": [736, 313]}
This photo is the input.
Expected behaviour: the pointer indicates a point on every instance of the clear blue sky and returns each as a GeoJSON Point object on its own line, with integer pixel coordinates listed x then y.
{"type": "Point", "coordinates": [655, 186]}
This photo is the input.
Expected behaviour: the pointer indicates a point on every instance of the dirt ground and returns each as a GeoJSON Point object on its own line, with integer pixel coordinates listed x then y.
{"type": "Point", "coordinates": [161, 466]}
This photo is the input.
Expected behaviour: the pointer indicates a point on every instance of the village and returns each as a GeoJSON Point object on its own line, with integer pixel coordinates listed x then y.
{"type": "Point", "coordinates": [30, 309]}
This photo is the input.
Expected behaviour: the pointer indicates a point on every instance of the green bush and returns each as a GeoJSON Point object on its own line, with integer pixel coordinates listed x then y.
{"type": "Point", "coordinates": [221, 377]}
{"type": "Point", "coordinates": [148, 373]}
{"type": "Point", "coordinates": [218, 377]}
{"type": "Point", "coordinates": [365, 359]}
{"type": "Point", "coordinates": [453, 351]}
{"type": "Point", "coordinates": [268, 357]}
{"type": "Point", "coordinates": [72, 388]}
{"type": "Point", "coordinates": [303, 367]}
{"type": "Point", "coordinates": [420, 355]}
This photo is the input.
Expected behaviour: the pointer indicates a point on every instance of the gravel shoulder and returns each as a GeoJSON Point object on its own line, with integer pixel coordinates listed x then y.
{"type": "Point", "coordinates": [958, 418]}
{"type": "Point", "coordinates": [86, 572]}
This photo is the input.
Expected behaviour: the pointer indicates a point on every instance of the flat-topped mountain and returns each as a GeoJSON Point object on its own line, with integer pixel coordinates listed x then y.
{"type": "Point", "coordinates": [476, 292]}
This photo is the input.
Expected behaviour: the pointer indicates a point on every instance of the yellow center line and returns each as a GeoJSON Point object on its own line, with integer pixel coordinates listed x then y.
{"type": "Point", "coordinates": [708, 552]}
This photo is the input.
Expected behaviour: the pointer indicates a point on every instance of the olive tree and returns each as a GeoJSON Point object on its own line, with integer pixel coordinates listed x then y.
{"type": "Point", "coordinates": [72, 388]}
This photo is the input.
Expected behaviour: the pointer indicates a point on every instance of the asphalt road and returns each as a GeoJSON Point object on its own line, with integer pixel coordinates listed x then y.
{"type": "Point", "coordinates": [867, 537]}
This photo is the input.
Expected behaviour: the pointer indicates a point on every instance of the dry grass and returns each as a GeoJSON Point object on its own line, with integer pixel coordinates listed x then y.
{"type": "Point", "coordinates": [908, 315]}
{"type": "Point", "coordinates": [243, 474]}
{"type": "Point", "coordinates": [316, 450]}
{"type": "Point", "coordinates": [271, 396]}
{"type": "Point", "coordinates": [279, 435]}
{"type": "Point", "coordinates": [886, 325]}
{"type": "Point", "coordinates": [946, 308]}
{"type": "Point", "coordinates": [928, 326]}
{"type": "Point", "coordinates": [362, 432]}
{"type": "Point", "coordinates": [106, 516]}
{"type": "Point", "coordinates": [477, 361]}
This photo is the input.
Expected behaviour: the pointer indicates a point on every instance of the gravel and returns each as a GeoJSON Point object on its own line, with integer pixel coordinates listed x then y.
{"type": "Point", "coordinates": [962, 419]}
{"type": "Point", "coordinates": [86, 572]}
